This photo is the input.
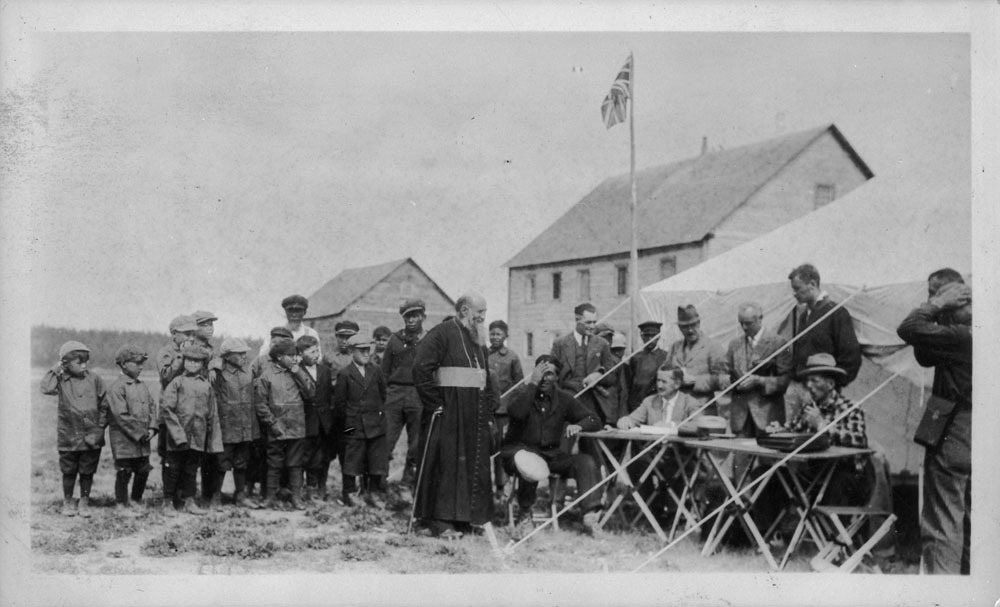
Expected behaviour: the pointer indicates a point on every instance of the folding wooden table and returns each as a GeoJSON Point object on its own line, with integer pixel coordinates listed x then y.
{"type": "Point", "coordinates": [686, 469]}
{"type": "Point", "coordinates": [804, 478]}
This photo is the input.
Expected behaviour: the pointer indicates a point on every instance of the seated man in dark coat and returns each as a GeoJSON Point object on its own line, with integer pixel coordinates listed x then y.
{"type": "Point", "coordinates": [540, 415]}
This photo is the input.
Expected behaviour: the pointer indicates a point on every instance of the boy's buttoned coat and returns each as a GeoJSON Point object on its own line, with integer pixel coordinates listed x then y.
{"type": "Point", "coordinates": [319, 409]}
{"type": "Point", "coordinates": [133, 413]}
{"type": "Point", "coordinates": [362, 400]}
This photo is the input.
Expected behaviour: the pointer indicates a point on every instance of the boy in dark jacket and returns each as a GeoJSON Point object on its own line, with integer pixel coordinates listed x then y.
{"type": "Point", "coordinates": [279, 395]}
{"type": "Point", "coordinates": [190, 415]}
{"type": "Point", "coordinates": [359, 393]}
{"type": "Point", "coordinates": [319, 418]}
{"type": "Point", "coordinates": [133, 424]}
{"type": "Point", "coordinates": [82, 420]}
{"type": "Point", "coordinates": [237, 418]}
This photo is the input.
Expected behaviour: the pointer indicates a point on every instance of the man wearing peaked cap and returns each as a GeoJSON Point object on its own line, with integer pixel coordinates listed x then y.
{"type": "Point", "coordinates": [702, 359]}
{"type": "Point", "coordinates": [402, 404]}
{"type": "Point", "coordinates": [295, 307]}
{"type": "Point", "coordinates": [206, 324]}
{"type": "Point", "coordinates": [642, 368]}
{"type": "Point", "coordinates": [346, 328]}
{"type": "Point", "coordinates": [412, 305]}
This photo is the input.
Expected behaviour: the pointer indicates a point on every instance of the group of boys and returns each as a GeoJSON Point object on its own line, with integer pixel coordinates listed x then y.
{"type": "Point", "coordinates": [276, 423]}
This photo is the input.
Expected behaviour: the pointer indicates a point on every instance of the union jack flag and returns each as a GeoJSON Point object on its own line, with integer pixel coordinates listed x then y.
{"type": "Point", "coordinates": [615, 103]}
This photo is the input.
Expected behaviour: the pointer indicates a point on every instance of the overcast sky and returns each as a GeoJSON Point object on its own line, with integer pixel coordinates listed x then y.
{"type": "Point", "coordinates": [223, 171]}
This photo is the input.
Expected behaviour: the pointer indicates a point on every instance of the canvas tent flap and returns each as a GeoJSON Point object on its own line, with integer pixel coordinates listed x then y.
{"type": "Point", "coordinates": [873, 250]}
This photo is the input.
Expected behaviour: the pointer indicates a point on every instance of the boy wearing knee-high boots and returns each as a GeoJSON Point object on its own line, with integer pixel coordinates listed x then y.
{"type": "Point", "coordinates": [132, 425]}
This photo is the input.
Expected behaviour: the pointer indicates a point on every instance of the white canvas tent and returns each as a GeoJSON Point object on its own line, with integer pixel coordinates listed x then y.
{"type": "Point", "coordinates": [870, 242]}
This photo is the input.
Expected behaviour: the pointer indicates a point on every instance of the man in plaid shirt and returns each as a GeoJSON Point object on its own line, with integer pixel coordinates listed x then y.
{"type": "Point", "coordinates": [852, 481]}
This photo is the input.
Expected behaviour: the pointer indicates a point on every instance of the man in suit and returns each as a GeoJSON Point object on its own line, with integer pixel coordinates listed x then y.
{"type": "Point", "coordinates": [583, 358]}
{"type": "Point", "coordinates": [700, 357]}
{"type": "Point", "coordinates": [758, 399]}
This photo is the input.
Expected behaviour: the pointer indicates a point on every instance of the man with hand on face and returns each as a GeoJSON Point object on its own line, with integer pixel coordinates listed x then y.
{"type": "Point", "coordinates": [540, 416]}
{"type": "Point", "coordinates": [701, 358]}
{"type": "Point", "coordinates": [450, 373]}
{"type": "Point", "coordinates": [940, 332]}
{"type": "Point", "coordinates": [402, 404]}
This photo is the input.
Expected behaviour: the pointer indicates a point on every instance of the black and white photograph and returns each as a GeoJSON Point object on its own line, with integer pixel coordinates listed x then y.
{"type": "Point", "coordinates": [424, 303]}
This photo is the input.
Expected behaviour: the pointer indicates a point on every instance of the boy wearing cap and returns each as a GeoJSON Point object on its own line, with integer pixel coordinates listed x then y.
{"type": "Point", "coordinates": [360, 393]}
{"type": "Point", "coordinates": [170, 364]}
{"type": "Point", "coordinates": [133, 424]}
{"type": "Point", "coordinates": [279, 398]}
{"type": "Point", "coordinates": [341, 358]}
{"type": "Point", "coordinates": [210, 485]}
{"type": "Point", "coordinates": [319, 418]}
{"type": "Point", "coordinates": [83, 416]}
{"type": "Point", "coordinates": [257, 468]}
{"type": "Point", "coordinates": [402, 404]}
{"type": "Point", "coordinates": [233, 387]}
{"type": "Point", "coordinates": [189, 412]}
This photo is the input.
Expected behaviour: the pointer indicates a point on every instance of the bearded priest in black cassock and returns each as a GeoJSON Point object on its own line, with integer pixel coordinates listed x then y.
{"type": "Point", "coordinates": [450, 373]}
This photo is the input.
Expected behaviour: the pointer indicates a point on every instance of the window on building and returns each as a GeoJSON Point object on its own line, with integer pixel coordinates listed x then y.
{"type": "Point", "coordinates": [529, 289]}
{"type": "Point", "coordinates": [529, 347]}
{"type": "Point", "coordinates": [622, 280]}
{"type": "Point", "coordinates": [668, 266]}
{"type": "Point", "coordinates": [365, 328]}
{"type": "Point", "coordinates": [583, 280]}
{"type": "Point", "coordinates": [824, 194]}
{"type": "Point", "coordinates": [556, 285]}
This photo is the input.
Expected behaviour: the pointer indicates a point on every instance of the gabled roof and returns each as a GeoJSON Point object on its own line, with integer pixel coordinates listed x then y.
{"type": "Point", "coordinates": [678, 203]}
{"type": "Point", "coordinates": [345, 288]}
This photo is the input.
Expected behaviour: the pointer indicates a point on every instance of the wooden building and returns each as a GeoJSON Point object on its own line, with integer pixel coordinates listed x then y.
{"type": "Point", "coordinates": [371, 296]}
{"type": "Point", "coordinates": [688, 211]}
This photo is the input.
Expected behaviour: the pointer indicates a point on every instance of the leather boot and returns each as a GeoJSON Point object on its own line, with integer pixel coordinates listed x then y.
{"type": "Point", "coordinates": [191, 507]}
{"type": "Point", "coordinates": [139, 486]}
{"type": "Point", "coordinates": [83, 507]}
{"type": "Point", "coordinates": [273, 478]}
{"type": "Point", "coordinates": [295, 484]}
{"type": "Point", "coordinates": [68, 507]}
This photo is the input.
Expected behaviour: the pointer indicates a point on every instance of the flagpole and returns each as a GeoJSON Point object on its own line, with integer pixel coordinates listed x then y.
{"type": "Point", "coordinates": [634, 253]}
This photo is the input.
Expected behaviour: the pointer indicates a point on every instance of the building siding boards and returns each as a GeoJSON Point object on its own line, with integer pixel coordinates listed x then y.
{"type": "Point", "coordinates": [379, 304]}
{"type": "Point", "coordinates": [788, 193]}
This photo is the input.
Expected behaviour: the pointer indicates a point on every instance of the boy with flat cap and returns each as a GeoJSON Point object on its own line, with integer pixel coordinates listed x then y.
{"type": "Point", "coordinates": [343, 331]}
{"type": "Point", "coordinates": [210, 487]}
{"type": "Point", "coordinates": [279, 398]}
{"type": "Point", "coordinates": [359, 394]}
{"type": "Point", "coordinates": [237, 418]}
{"type": "Point", "coordinates": [190, 414]}
{"type": "Point", "coordinates": [133, 424]}
{"type": "Point", "coordinates": [402, 404]}
{"type": "Point", "coordinates": [83, 417]}
{"type": "Point", "coordinates": [170, 364]}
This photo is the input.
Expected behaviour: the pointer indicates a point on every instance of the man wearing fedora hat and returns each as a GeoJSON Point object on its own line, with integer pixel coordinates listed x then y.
{"type": "Point", "coordinates": [852, 480]}
{"type": "Point", "coordinates": [700, 357]}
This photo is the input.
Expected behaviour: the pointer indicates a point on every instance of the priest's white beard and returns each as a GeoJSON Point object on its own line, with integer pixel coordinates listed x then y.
{"type": "Point", "coordinates": [477, 330]}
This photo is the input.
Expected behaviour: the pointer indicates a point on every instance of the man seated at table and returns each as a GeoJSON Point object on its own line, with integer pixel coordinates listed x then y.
{"type": "Point", "coordinates": [540, 414]}
{"type": "Point", "coordinates": [853, 479]}
{"type": "Point", "coordinates": [669, 406]}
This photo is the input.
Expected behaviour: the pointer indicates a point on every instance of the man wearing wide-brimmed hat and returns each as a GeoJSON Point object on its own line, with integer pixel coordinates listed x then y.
{"type": "Point", "coordinates": [852, 481]}
{"type": "Point", "coordinates": [700, 357]}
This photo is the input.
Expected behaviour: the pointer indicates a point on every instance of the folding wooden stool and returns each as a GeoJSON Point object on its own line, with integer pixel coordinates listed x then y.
{"type": "Point", "coordinates": [847, 523]}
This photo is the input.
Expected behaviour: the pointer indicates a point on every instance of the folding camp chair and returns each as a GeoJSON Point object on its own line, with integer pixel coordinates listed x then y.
{"type": "Point", "coordinates": [844, 547]}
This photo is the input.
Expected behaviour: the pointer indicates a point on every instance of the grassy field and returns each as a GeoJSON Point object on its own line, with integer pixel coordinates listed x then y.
{"type": "Point", "coordinates": [327, 537]}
